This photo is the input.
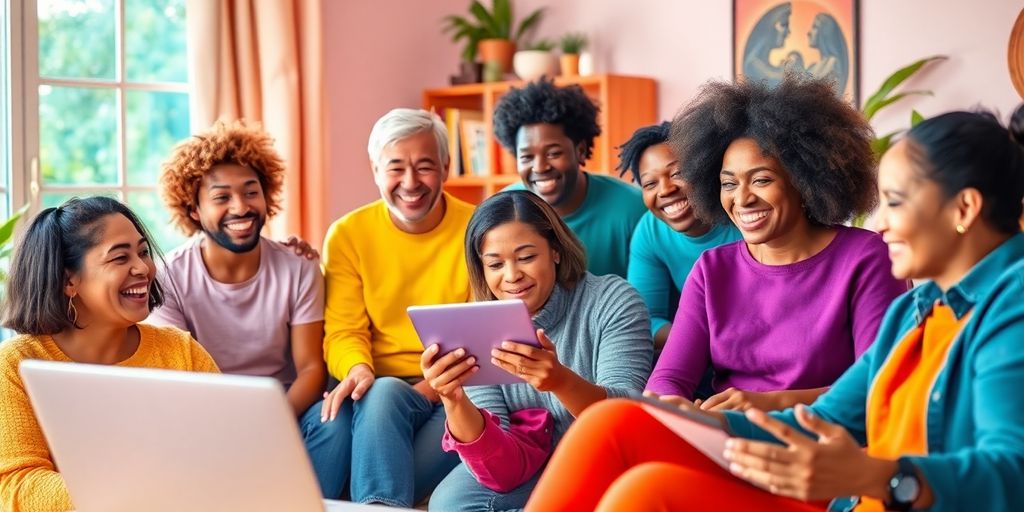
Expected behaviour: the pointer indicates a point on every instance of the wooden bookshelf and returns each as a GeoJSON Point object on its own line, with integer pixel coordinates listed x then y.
{"type": "Point", "coordinates": [626, 103]}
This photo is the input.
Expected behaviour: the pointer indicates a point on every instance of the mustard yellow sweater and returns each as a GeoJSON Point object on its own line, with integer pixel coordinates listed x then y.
{"type": "Point", "coordinates": [374, 271]}
{"type": "Point", "coordinates": [29, 481]}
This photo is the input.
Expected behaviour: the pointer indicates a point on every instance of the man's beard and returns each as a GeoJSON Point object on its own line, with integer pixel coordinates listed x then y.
{"type": "Point", "coordinates": [223, 239]}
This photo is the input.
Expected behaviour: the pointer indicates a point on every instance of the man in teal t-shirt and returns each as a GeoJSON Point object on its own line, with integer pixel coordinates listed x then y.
{"type": "Point", "coordinates": [551, 131]}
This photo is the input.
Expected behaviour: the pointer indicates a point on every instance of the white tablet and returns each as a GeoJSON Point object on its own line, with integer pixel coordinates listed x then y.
{"type": "Point", "coordinates": [477, 327]}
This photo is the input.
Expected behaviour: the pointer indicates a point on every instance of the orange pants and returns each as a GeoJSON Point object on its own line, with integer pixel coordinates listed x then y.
{"type": "Point", "coordinates": [617, 457]}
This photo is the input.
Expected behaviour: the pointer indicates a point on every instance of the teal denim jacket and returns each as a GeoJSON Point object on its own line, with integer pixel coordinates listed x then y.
{"type": "Point", "coordinates": [975, 416]}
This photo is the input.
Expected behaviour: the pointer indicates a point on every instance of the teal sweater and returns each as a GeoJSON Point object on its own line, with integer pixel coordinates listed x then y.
{"type": "Point", "coordinates": [975, 417]}
{"type": "Point", "coordinates": [660, 259]}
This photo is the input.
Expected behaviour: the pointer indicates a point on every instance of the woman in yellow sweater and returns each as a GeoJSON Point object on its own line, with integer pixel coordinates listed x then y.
{"type": "Point", "coordinates": [81, 280]}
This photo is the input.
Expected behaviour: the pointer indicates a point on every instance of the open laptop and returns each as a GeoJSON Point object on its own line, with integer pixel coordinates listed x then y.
{"type": "Point", "coordinates": [131, 439]}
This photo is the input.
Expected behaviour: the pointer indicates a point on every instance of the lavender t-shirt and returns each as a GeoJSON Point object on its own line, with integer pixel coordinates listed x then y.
{"type": "Point", "coordinates": [245, 326]}
{"type": "Point", "coordinates": [777, 327]}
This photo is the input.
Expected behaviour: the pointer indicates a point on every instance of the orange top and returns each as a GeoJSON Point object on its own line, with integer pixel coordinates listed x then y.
{"type": "Point", "coordinates": [897, 405]}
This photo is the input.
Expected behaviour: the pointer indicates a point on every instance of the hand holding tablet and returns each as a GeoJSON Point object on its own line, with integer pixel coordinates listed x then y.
{"type": "Point", "coordinates": [479, 328]}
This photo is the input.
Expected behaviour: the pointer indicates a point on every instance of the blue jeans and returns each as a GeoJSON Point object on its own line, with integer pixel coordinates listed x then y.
{"type": "Point", "coordinates": [329, 446]}
{"type": "Point", "coordinates": [461, 492]}
{"type": "Point", "coordinates": [396, 445]}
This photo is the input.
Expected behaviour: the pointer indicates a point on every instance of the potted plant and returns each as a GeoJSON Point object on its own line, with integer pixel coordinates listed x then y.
{"type": "Point", "coordinates": [536, 61]}
{"type": "Point", "coordinates": [490, 32]}
{"type": "Point", "coordinates": [884, 97]}
{"type": "Point", "coordinates": [572, 44]}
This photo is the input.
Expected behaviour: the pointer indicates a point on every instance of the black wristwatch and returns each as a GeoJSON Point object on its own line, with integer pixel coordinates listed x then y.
{"type": "Point", "coordinates": [904, 487]}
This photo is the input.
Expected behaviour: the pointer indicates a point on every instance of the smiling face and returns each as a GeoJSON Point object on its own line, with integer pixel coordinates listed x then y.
{"type": "Point", "coordinates": [519, 264]}
{"type": "Point", "coordinates": [231, 207]}
{"type": "Point", "coordinates": [914, 218]}
{"type": "Point", "coordinates": [112, 288]}
{"type": "Point", "coordinates": [549, 163]}
{"type": "Point", "coordinates": [409, 176]}
{"type": "Point", "coordinates": [757, 194]}
{"type": "Point", "coordinates": [665, 192]}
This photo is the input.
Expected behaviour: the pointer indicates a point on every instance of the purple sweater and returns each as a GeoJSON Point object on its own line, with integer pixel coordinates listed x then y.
{"type": "Point", "coordinates": [777, 327]}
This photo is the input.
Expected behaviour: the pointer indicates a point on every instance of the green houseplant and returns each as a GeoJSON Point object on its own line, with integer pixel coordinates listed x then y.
{"type": "Point", "coordinates": [887, 95]}
{"type": "Point", "coordinates": [536, 60]}
{"type": "Point", "coordinates": [489, 34]}
{"type": "Point", "coordinates": [572, 44]}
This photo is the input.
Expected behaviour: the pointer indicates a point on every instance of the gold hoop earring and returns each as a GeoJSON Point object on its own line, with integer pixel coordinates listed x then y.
{"type": "Point", "coordinates": [961, 229]}
{"type": "Point", "coordinates": [72, 311]}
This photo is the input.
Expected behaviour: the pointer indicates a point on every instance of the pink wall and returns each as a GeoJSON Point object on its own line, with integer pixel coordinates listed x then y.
{"type": "Point", "coordinates": [378, 55]}
{"type": "Point", "coordinates": [381, 54]}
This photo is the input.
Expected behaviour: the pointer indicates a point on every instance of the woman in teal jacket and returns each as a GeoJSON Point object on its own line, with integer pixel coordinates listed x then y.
{"type": "Point", "coordinates": [936, 400]}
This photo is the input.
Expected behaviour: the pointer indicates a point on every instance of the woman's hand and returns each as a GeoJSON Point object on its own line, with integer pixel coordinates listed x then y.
{"type": "Point", "coordinates": [446, 374]}
{"type": "Point", "coordinates": [734, 399]}
{"type": "Point", "coordinates": [686, 405]}
{"type": "Point", "coordinates": [537, 366]}
{"type": "Point", "coordinates": [805, 469]}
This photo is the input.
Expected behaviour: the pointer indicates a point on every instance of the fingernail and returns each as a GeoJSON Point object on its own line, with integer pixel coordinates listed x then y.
{"type": "Point", "coordinates": [494, 361]}
{"type": "Point", "coordinates": [730, 444]}
{"type": "Point", "coordinates": [495, 352]}
{"type": "Point", "coordinates": [735, 468]}
{"type": "Point", "coordinates": [323, 419]}
{"type": "Point", "coordinates": [727, 454]}
{"type": "Point", "coordinates": [471, 360]}
{"type": "Point", "coordinates": [460, 352]}
{"type": "Point", "coordinates": [506, 345]}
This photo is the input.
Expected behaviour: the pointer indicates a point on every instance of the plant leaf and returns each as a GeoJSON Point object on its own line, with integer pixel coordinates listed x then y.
{"type": "Point", "coordinates": [487, 21]}
{"type": "Point", "coordinates": [528, 23]}
{"type": "Point", "coordinates": [869, 112]}
{"type": "Point", "coordinates": [894, 80]}
{"type": "Point", "coordinates": [7, 229]}
{"type": "Point", "coordinates": [880, 145]}
{"type": "Point", "coordinates": [502, 14]}
{"type": "Point", "coordinates": [915, 118]}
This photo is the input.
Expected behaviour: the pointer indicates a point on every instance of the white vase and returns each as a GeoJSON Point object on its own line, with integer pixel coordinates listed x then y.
{"type": "Point", "coordinates": [530, 65]}
{"type": "Point", "coordinates": [586, 63]}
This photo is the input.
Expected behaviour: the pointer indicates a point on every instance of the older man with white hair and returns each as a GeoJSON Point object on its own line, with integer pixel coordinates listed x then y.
{"type": "Point", "coordinates": [403, 249]}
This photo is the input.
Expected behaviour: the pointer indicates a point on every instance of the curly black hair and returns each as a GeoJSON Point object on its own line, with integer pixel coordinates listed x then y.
{"type": "Point", "coordinates": [820, 140]}
{"type": "Point", "coordinates": [643, 138]}
{"type": "Point", "coordinates": [543, 102]}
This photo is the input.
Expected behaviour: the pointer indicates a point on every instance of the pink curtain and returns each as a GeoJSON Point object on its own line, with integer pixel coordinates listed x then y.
{"type": "Point", "coordinates": [262, 60]}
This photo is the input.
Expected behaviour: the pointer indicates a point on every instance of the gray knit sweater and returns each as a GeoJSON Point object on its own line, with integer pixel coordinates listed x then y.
{"type": "Point", "coordinates": [601, 331]}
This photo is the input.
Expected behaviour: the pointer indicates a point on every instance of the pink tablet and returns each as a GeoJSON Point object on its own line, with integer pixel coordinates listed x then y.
{"type": "Point", "coordinates": [477, 327]}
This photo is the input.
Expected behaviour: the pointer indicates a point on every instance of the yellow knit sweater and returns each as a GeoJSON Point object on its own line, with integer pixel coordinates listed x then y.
{"type": "Point", "coordinates": [374, 271]}
{"type": "Point", "coordinates": [29, 482]}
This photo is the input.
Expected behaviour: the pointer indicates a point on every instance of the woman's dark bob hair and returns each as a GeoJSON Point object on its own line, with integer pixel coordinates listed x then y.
{"type": "Point", "coordinates": [959, 150]}
{"type": "Point", "coordinates": [821, 141]}
{"type": "Point", "coordinates": [526, 207]}
{"type": "Point", "coordinates": [54, 245]}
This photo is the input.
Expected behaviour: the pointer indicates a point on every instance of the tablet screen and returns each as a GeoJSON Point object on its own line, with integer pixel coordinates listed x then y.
{"type": "Point", "coordinates": [477, 327]}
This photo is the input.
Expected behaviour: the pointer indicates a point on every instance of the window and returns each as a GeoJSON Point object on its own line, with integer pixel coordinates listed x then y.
{"type": "Point", "coordinates": [106, 85]}
{"type": "Point", "coordinates": [5, 115]}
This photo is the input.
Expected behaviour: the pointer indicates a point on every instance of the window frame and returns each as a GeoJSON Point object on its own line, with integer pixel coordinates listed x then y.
{"type": "Point", "coordinates": [27, 185]}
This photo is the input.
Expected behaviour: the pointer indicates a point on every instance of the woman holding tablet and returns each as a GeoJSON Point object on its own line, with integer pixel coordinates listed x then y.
{"type": "Point", "coordinates": [936, 400]}
{"type": "Point", "coordinates": [81, 280]}
{"type": "Point", "coordinates": [779, 315]}
{"type": "Point", "coordinates": [596, 341]}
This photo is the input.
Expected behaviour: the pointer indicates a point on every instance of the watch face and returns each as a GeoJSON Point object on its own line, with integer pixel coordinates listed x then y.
{"type": "Point", "coordinates": [907, 489]}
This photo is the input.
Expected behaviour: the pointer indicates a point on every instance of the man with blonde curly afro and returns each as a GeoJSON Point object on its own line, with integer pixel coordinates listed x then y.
{"type": "Point", "coordinates": [256, 307]}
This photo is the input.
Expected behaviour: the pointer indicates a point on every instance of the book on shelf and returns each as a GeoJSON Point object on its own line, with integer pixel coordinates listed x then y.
{"type": "Point", "coordinates": [473, 143]}
{"type": "Point", "coordinates": [451, 123]}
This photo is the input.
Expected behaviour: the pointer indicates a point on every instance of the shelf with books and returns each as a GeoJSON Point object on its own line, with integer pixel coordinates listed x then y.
{"type": "Point", "coordinates": [481, 167]}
